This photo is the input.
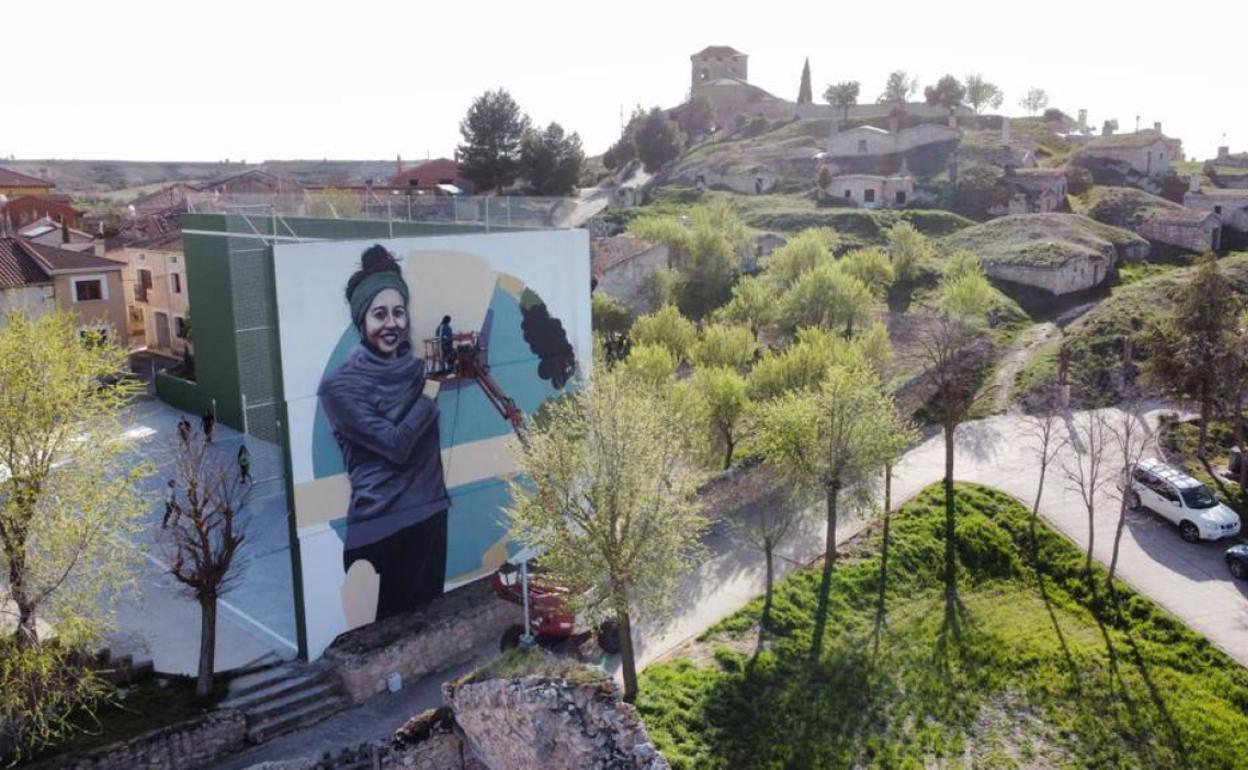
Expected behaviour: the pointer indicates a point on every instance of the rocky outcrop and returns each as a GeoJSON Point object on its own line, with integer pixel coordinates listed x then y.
{"type": "Point", "coordinates": [551, 723]}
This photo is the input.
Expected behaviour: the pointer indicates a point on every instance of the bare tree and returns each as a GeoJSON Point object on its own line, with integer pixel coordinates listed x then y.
{"type": "Point", "coordinates": [203, 530]}
{"type": "Point", "coordinates": [1042, 425]}
{"type": "Point", "coordinates": [1085, 470]}
{"type": "Point", "coordinates": [770, 517]}
{"type": "Point", "coordinates": [1131, 437]}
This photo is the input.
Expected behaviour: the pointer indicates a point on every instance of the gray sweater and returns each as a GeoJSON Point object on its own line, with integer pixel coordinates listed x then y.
{"type": "Point", "coordinates": [388, 432]}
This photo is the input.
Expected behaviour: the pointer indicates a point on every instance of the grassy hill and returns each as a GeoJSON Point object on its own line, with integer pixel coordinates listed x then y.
{"type": "Point", "coordinates": [1123, 206]}
{"type": "Point", "coordinates": [1042, 239]}
{"type": "Point", "coordinates": [1096, 340]}
{"type": "Point", "coordinates": [1015, 674]}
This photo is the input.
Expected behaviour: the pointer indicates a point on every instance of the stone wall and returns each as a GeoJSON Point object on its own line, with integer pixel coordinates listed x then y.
{"type": "Point", "coordinates": [631, 281]}
{"type": "Point", "coordinates": [848, 144]}
{"type": "Point", "coordinates": [418, 643]}
{"type": "Point", "coordinates": [186, 745]}
{"type": "Point", "coordinates": [1076, 274]}
{"type": "Point", "coordinates": [551, 723]}
{"type": "Point", "coordinates": [1193, 235]}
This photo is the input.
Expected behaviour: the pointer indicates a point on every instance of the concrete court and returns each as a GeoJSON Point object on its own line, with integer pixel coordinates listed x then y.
{"type": "Point", "coordinates": [158, 622]}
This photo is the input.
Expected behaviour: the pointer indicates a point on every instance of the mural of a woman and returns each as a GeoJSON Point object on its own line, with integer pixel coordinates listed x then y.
{"type": "Point", "coordinates": [387, 430]}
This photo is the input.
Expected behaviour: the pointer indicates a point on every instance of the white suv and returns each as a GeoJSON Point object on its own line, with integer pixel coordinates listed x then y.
{"type": "Point", "coordinates": [1183, 500]}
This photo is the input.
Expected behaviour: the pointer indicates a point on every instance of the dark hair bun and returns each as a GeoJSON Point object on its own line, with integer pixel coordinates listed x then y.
{"type": "Point", "coordinates": [375, 259]}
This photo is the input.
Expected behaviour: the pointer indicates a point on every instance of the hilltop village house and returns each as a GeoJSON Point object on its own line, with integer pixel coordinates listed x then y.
{"type": "Point", "coordinates": [872, 191]}
{"type": "Point", "coordinates": [1034, 191]}
{"type": "Point", "coordinates": [1146, 153]}
{"type": "Point", "coordinates": [23, 210]}
{"type": "Point", "coordinates": [1231, 206]}
{"type": "Point", "coordinates": [13, 184]}
{"type": "Point", "coordinates": [37, 279]}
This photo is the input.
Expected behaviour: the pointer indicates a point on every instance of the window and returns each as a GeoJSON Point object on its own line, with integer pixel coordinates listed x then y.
{"type": "Point", "coordinates": [88, 289]}
{"type": "Point", "coordinates": [144, 285]}
{"type": "Point", "coordinates": [179, 327]}
{"type": "Point", "coordinates": [862, 145]}
{"type": "Point", "coordinates": [1217, 209]}
{"type": "Point", "coordinates": [869, 196]}
{"type": "Point", "coordinates": [849, 195]}
{"type": "Point", "coordinates": [1199, 497]}
{"type": "Point", "coordinates": [900, 198]}
{"type": "Point", "coordinates": [175, 283]}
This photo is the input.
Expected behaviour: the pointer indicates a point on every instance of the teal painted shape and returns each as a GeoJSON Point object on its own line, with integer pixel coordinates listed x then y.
{"type": "Point", "coordinates": [476, 522]}
{"type": "Point", "coordinates": [326, 456]}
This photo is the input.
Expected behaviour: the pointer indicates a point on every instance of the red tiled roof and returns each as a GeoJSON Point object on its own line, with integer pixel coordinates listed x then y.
{"type": "Point", "coordinates": [17, 267]}
{"type": "Point", "coordinates": [9, 178]}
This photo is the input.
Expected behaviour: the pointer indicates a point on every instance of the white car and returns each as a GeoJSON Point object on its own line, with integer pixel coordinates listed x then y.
{"type": "Point", "coordinates": [1174, 495]}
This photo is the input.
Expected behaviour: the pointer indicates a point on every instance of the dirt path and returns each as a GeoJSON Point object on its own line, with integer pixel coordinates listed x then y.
{"type": "Point", "coordinates": [1015, 359]}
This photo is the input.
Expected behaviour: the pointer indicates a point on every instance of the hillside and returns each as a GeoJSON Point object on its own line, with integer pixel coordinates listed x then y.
{"type": "Point", "coordinates": [787, 151]}
{"type": "Point", "coordinates": [1044, 240]}
{"type": "Point", "coordinates": [1123, 206]}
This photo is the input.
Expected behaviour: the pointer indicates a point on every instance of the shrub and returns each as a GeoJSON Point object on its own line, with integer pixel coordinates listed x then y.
{"type": "Point", "coordinates": [807, 250]}
{"type": "Point", "coordinates": [668, 328]}
{"type": "Point", "coordinates": [731, 347]}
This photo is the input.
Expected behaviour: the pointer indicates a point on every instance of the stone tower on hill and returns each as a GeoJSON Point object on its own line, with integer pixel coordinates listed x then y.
{"type": "Point", "coordinates": [716, 62]}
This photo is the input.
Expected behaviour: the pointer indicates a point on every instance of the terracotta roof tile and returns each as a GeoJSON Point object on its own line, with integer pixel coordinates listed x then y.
{"type": "Point", "coordinates": [59, 259]}
{"type": "Point", "coordinates": [9, 178]}
{"type": "Point", "coordinates": [17, 268]}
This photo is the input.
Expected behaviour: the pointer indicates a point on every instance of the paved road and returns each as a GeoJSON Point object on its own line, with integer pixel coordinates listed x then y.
{"type": "Point", "coordinates": [1189, 580]}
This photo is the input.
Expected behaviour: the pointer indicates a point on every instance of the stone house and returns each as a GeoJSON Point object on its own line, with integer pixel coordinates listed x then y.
{"type": "Point", "coordinates": [1231, 206]}
{"type": "Point", "coordinates": [623, 267]}
{"type": "Point", "coordinates": [1227, 158]}
{"type": "Point", "coordinates": [1147, 153]}
{"type": "Point", "coordinates": [431, 176]}
{"type": "Point", "coordinates": [38, 279]}
{"type": "Point", "coordinates": [1079, 271]}
{"type": "Point", "coordinates": [1198, 231]}
{"type": "Point", "coordinates": [872, 191]}
{"type": "Point", "coordinates": [1034, 191]}
{"type": "Point", "coordinates": [869, 141]}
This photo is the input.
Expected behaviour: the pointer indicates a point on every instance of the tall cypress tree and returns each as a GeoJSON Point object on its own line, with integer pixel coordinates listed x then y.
{"type": "Point", "coordinates": [804, 95]}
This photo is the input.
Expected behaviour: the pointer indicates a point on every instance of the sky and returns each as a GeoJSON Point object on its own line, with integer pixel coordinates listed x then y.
{"type": "Point", "coordinates": [257, 80]}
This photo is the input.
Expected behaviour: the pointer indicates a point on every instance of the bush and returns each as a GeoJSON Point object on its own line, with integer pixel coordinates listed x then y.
{"type": "Point", "coordinates": [730, 347]}
{"type": "Point", "coordinates": [803, 253]}
{"type": "Point", "coordinates": [668, 328]}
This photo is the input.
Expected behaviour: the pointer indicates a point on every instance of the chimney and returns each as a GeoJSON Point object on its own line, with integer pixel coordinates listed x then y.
{"type": "Point", "coordinates": [1193, 183]}
{"type": "Point", "coordinates": [1157, 126]}
{"type": "Point", "coordinates": [398, 161]}
{"type": "Point", "coordinates": [1083, 121]}
{"type": "Point", "coordinates": [64, 232]}
{"type": "Point", "coordinates": [1224, 152]}
{"type": "Point", "coordinates": [43, 174]}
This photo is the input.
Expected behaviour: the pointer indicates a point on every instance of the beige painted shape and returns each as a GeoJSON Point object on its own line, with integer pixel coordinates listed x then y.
{"type": "Point", "coordinates": [326, 499]}
{"type": "Point", "coordinates": [455, 283]}
{"type": "Point", "coordinates": [491, 560]}
{"type": "Point", "coordinates": [360, 588]}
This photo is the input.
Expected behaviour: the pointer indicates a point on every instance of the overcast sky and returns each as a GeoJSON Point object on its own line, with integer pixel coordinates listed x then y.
{"type": "Point", "coordinates": [259, 80]}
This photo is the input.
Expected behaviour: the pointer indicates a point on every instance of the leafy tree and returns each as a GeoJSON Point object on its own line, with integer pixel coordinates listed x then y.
{"type": "Point", "coordinates": [696, 117]}
{"type": "Point", "coordinates": [948, 93]}
{"type": "Point", "coordinates": [823, 179]}
{"type": "Point", "coordinates": [651, 365]}
{"type": "Point", "coordinates": [1190, 351]}
{"type": "Point", "coordinates": [624, 151]}
{"type": "Point", "coordinates": [658, 140]}
{"type": "Point", "coordinates": [909, 249]}
{"type": "Point", "coordinates": [609, 498]}
{"type": "Point", "coordinates": [804, 252]}
{"type": "Point", "coordinates": [828, 297]}
{"type": "Point", "coordinates": [960, 263]}
{"type": "Point", "coordinates": [69, 511]}
{"type": "Point", "coordinates": [204, 530]}
{"type": "Point", "coordinates": [492, 131]}
{"type": "Point", "coordinates": [980, 93]}
{"type": "Point", "coordinates": [803, 364]}
{"type": "Point", "coordinates": [872, 267]}
{"type": "Point", "coordinates": [705, 249]}
{"type": "Point", "coordinates": [1035, 100]}
{"type": "Point", "coordinates": [831, 439]}
{"type": "Point", "coordinates": [550, 160]}
{"type": "Point", "coordinates": [804, 95]}
{"type": "Point", "coordinates": [666, 327]}
{"type": "Point", "coordinates": [720, 404]}
{"type": "Point", "coordinates": [729, 347]}
{"type": "Point", "coordinates": [665, 284]}
{"type": "Point", "coordinates": [946, 345]}
{"type": "Point", "coordinates": [609, 315]}
{"type": "Point", "coordinates": [898, 89]}
{"type": "Point", "coordinates": [842, 96]}
{"type": "Point", "coordinates": [755, 303]}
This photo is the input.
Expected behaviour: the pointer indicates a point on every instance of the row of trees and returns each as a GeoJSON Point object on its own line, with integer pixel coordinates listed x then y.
{"type": "Point", "coordinates": [500, 145]}
{"type": "Point", "coordinates": [656, 137]}
{"type": "Point", "coordinates": [949, 92]}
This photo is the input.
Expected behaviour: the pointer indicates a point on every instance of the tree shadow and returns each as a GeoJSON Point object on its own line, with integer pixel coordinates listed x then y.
{"type": "Point", "coordinates": [821, 612]}
{"type": "Point", "coordinates": [1137, 659]}
{"type": "Point", "coordinates": [1071, 667]}
{"type": "Point", "coordinates": [881, 602]}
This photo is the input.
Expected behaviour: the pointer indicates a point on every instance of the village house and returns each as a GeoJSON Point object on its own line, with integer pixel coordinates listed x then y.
{"type": "Point", "coordinates": [169, 198]}
{"type": "Point", "coordinates": [1231, 206]}
{"type": "Point", "coordinates": [623, 267]}
{"type": "Point", "coordinates": [1034, 191]}
{"type": "Point", "coordinates": [1228, 158]}
{"type": "Point", "coordinates": [47, 232]}
{"type": "Point", "coordinates": [156, 292]}
{"type": "Point", "coordinates": [22, 210]}
{"type": "Point", "coordinates": [439, 176]}
{"type": "Point", "coordinates": [871, 191]}
{"type": "Point", "coordinates": [37, 279]}
{"type": "Point", "coordinates": [14, 185]}
{"type": "Point", "coordinates": [869, 141]}
{"type": "Point", "coordinates": [1198, 231]}
{"type": "Point", "coordinates": [1146, 153]}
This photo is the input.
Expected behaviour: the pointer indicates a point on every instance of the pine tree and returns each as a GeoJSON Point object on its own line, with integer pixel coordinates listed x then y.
{"type": "Point", "coordinates": [804, 95]}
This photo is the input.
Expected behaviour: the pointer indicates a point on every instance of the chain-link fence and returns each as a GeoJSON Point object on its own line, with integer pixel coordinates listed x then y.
{"type": "Point", "coordinates": [504, 211]}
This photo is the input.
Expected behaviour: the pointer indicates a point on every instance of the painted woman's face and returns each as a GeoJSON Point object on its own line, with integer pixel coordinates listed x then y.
{"type": "Point", "coordinates": [385, 323]}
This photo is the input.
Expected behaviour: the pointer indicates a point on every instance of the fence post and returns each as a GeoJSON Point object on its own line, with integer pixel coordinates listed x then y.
{"type": "Point", "coordinates": [243, 396]}
{"type": "Point", "coordinates": [487, 215]}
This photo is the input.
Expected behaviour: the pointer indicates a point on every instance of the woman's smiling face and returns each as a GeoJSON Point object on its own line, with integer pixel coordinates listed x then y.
{"type": "Point", "coordinates": [385, 322]}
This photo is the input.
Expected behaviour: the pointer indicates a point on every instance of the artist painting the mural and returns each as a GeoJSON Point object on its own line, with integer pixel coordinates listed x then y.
{"type": "Point", "coordinates": [387, 429]}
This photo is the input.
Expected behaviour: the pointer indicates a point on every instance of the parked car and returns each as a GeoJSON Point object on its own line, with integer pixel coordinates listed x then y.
{"type": "Point", "coordinates": [1237, 561]}
{"type": "Point", "coordinates": [1176, 496]}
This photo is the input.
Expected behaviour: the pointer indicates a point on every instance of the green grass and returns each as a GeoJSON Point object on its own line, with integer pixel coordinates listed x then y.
{"type": "Point", "coordinates": [1124, 206]}
{"type": "Point", "coordinates": [145, 706]}
{"type": "Point", "coordinates": [1008, 676]}
{"type": "Point", "coordinates": [1040, 239]}
{"type": "Point", "coordinates": [534, 661]}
